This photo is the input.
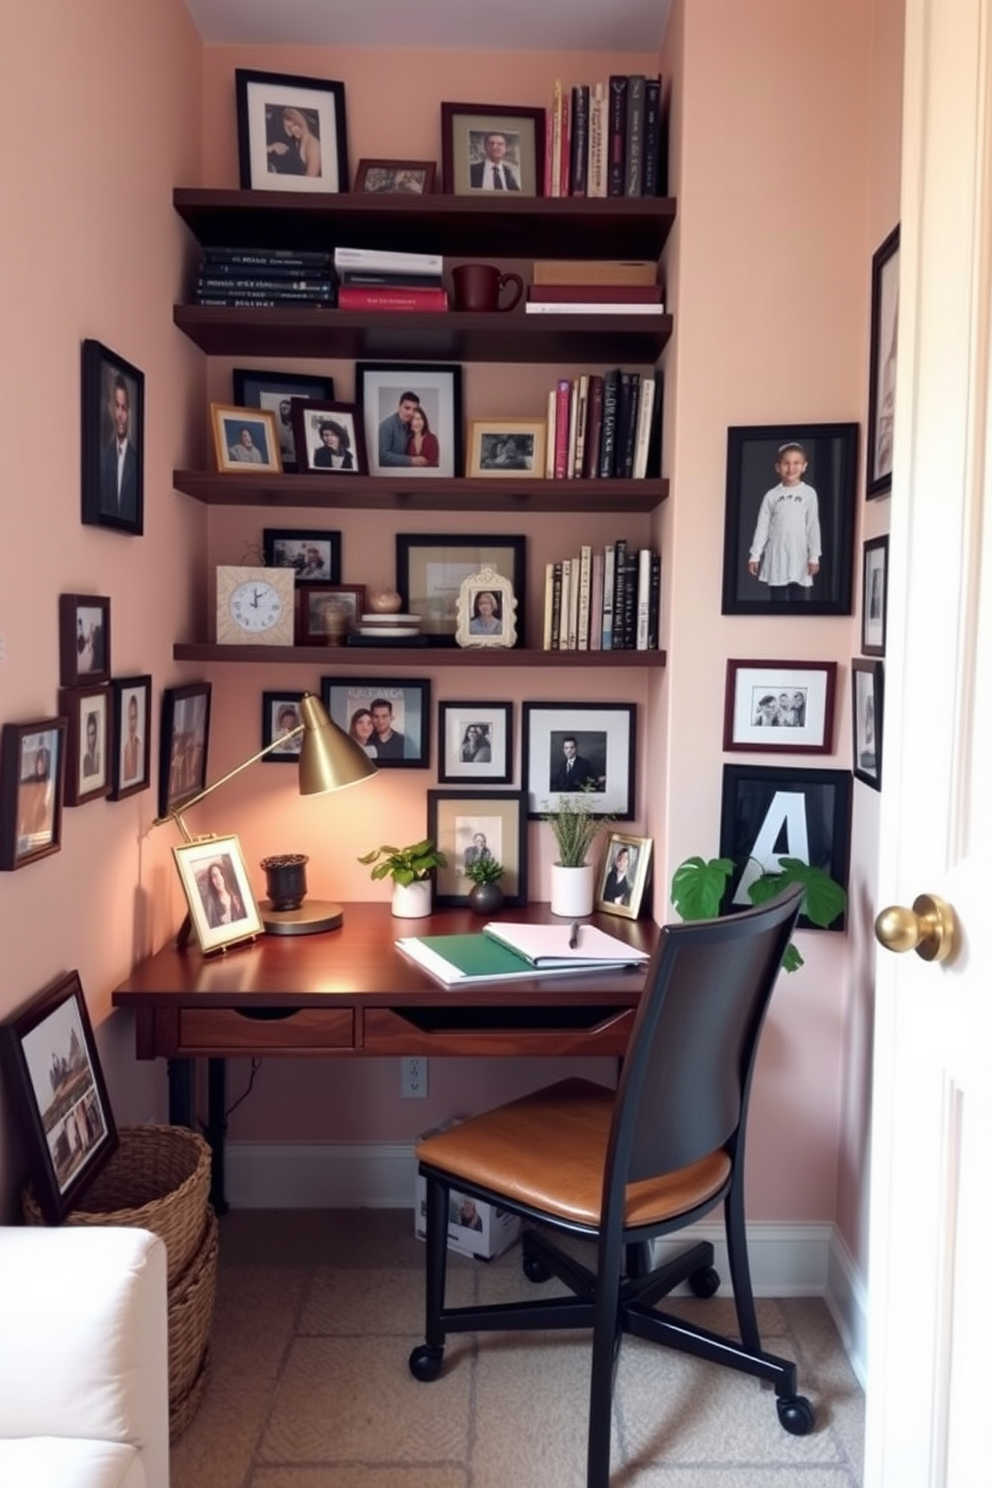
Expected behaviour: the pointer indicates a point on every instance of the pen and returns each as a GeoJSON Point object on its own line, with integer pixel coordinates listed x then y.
{"type": "Point", "coordinates": [573, 937]}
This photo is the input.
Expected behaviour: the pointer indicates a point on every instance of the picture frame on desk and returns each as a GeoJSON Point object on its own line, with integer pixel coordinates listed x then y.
{"type": "Point", "coordinates": [599, 739]}
{"type": "Point", "coordinates": [866, 720]}
{"type": "Point", "coordinates": [883, 363]}
{"type": "Point", "coordinates": [328, 613]}
{"type": "Point", "coordinates": [783, 707]}
{"type": "Point", "coordinates": [507, 448]}
{"type": "Point", "coordinates": [465, 823]}
{"type": "Point", "coordinates": [475, 742]}
{"type": "Point", "coordinates": [624, 874]}
{"type": "Point", "coordinates": [314, 553]}
{"type": "Point", "coordinates": [329, 437]}
{"type": "Point", "coordinates": [476, 137]}
{"type": "Point", "coordinates": [113, 441]}
{"type": "Point", "coordinates": [280, 715]}
{"type": "Point", "coordinates": [273, 391]}
{"type": "Point", "coordinates": [395, 177]}
{"type": "Point", "coordinates": [183, 742]}
{"type": "Point", "coordinates": [431, 568]}
{"type": "Point", "coordinates": [391, 394]}
{"type": "Point", "coordinates": [84, 639]}
{"type": "Point", "coordinates": [292, 132]}
{"type": "Point", "coordinates": [32, 775]}
{"type": "Point", "coordinates": [89, 742]}
{"type": "Point", "coordinates": [246, 440]}
{"type": "Point", "coordinates": [131, 704]}
{"type": "Point", "coordinates": [59, 1095]}
{"type": "Point", "coordinates": [390, 718]}
{"type": "Point", "coordinates": [222, 908]}
{"type": "Point", "coordinates": [874, 595]}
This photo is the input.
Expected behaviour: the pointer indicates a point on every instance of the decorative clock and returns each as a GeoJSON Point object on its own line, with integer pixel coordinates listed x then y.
{"type": "Point", "coordinates": [255, 606]}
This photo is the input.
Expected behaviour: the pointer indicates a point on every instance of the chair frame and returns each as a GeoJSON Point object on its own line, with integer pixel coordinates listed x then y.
{"type": "Point", "coordinates": [619, 1295]}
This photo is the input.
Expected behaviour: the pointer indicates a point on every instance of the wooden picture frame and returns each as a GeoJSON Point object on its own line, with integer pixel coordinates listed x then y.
{"type": "Point", "coordinates": [58, 1094]}
{"type": "Point", "coordinates": [507, 448]}
{"type": "Point", "coordinates": [376, 711]}
{"type": "Point", "coordinates": [280, 715]}
{"type": "Point", "coordinates": [314, 553]}
{"type": "Point", "coordinates": [783, 707]}
{"type": "Point", "coordinates": [866, 720]}
{"type": "Point", "coordinates": [292, 132]}
{"type": "Point", "coordinates": [113, 441]}
{"type": "Point", "coordinates": [273, 391]}
{"type": "Point", "coordinates": [327, 614]}
{"type": "Point", "coordinates": [874, 595]}
{"type": "Point", "coordinates": [395, 177]}
{"type": "Point", "coordinates": [84, 639]}
{"type": "Point", "coordinates": [487, 611]}
{"type": "Point", "coordinates": [762, 528]}
{"type": "Point", "coordinates": [466, 129]}
{"type": "Point", "coordinates": [222, 907]}
{"type": "Point", "coordinates": [184, 738]}
{"type": "Point", "coordinates": [770, 812]}
{"type": "Point", "coordinates": [603, 736]}
{"type": "Point", "coordinates": [624, 874]}
{"type": "Point", "coordinates": [246, 440]}
{"type": "Point", "coordinates": [431, 567]}
{"type": "Point", "coordinates": [329, 437]}
{"type": "Point", "coordinates": [387, 393]}
{"type": "Point", "coordinates": [89, 743]}
{"type": "Point", "coordinates": [475, 742]}
{"type": "Point", "coordinates": [456, 819]}
{"type": "Point", "coordinates": [882, 366]}
{"type": "Point", "coordinates": [32, 776]}
{"type": "Point", "coordinates": [131, 732]}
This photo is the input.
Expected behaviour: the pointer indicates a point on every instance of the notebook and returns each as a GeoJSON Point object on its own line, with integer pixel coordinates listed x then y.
{"type": "Point", "coordinates": [482, 958]}
{"type": "Point", "coordinates": [552, 945]}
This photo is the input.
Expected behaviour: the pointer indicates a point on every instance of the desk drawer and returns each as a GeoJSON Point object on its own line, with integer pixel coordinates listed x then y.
{"type": "Point", "coordinates": [270, 1031]}
{"type": "Point", "coordinates": [497, 1031]}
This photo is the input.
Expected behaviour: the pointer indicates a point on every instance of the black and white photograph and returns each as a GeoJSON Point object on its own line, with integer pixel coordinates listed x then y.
{"type": "Point", "coordinates": [84, 639]}
{"type": "Point", "coordinates": [475, 826]}
{"type": "Point", "coordinates": [874, 595]}
{"type": "Point", "coordinates": [624, 873]}
{"type": "Point", "coordinates": [222, 907]}
{"type": "Point", "coordinates": [395, 177]}
{"type": "Point", "coordinates": [475, 742]}
{"type": "Point", "coordinates": [492, 147]}
{"type": "Point", "coordinates": [506, 447]}
{"type": "Point", "coordinates": [313, 553]}
{"type": "Point", "coordinates": [113, 441]}
{"type": "Point", "coordinates": [292, 132]}
{"type": "Point", "coordinates": [32, 772]}
{"type": "Point", "coordinates": [780, 706]}
{"type": "Point", "coordinates": [882, 372]}
{"type": "Point", "coordinates": [130, 765]}
{"type": "Point", "coordinates": [274, 391]}
{"type": "Point", "coordinates": [569, 748]}
{"type": "Point", "coordinates": [390, 720]}
{"type": "Point", "coordinates": [280, 716]}
{"type": "Point", "coordinates": [866, 720]}
{"type": "Point", "coordinates": [412, 416]}
{"type": "Point", "coordinates": [89, 743]}
{"type": "Point", "coordinates": [431, 569]}
{"type": "Point", "coordinates": [789, 523]}
{"type": "Point", "coordinates": [245, 440]}
{"type": "Point", "coordinates": [184, 739]}
{"type": "Point", "coordinates": [329, 437]}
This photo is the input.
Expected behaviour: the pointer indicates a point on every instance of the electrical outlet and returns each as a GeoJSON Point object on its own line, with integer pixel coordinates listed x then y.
{"type": "Point", "coordinates": [413, 1078]}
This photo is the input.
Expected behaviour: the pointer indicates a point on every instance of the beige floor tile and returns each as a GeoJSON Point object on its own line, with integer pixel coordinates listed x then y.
{"type": "Point", "coordinates": [374, 1301]}
{"type": "Point", "coordinates": [437, 1475]}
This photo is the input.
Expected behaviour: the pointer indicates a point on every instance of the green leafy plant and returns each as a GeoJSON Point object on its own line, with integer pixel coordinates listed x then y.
{"type": "Point", "coordinates": [405, 865]}
{"type": "Point", "coordinates": [485, 871]}
{"type": "Point", "coordinates": [698, 887]}
{"type": "Point", "coordinates": [574, 826]}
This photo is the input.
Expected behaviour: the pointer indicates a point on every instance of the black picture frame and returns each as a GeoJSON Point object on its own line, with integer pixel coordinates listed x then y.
{"type": "Point", "coordinates": [84, 639]}
{"type": "Point", "coordinates": [281, 713]}
{"type": "Point", "coordinates": [273, 391]}
{"type": "Point", "coordinates": [605, 755]}
{"type": "Point", "coordinates": [874, 595]}
{"type": "Point", "coordinates": [289, 547]}
{"type": "Point", "coordinates": [475, 742]}
{"type": "Point", "coordinates": [883, 365]}
{"type": "Point", "coordinates": [184, 739]}
{"type": "Point", "coordinates": [866, 720]}
{"type": "Point", "coordinates": [409, 701]}
{"type": "Point", "coordinates": [754, 457]}
{"type": "Point", "coordinates": [456, 818]}
{"type": "Point", "coordinates": [32, 778]}
{"type": "Point", "coordinates": [269, 158]}
{"type": "Point", "coordinates": [343, 422]}
{"type": "Point", "coordinates": [770, 811]}
{"type": "Point", "coordinates": [89, 743]}
{"type": "Point", "coordinates": [131, 729]}
{"type": "Point", "coordinates": [464, 130]}
{"type": "Point", "coordinates": [437, 388]}
{"type": "Point", "coordinates": [113, 441]}
{"type": "Point", "coordinates": [59, 1096]}
{"type": "Point", "coordinates": [430, 569]}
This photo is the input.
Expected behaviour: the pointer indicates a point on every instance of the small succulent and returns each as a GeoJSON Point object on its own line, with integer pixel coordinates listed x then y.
{"type": "Point", "coordinates": [485, 871]}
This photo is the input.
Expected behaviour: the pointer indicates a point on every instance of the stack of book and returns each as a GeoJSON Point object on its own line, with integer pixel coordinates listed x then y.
{"type": "Point", "coordinates": [603, 600]}
{"type": "Point", "coordinates": [260, 278]}
{"type": "Point", "coordinates": [605, 139]}
{"type": "Point", "coordinates": [604, 426]}
{"type": "Point", "coordinates": [386, 279]}
{"type": "Point", "coordinates": [388, 630]}
{"type": "Point", "coordinates": [594, 287]}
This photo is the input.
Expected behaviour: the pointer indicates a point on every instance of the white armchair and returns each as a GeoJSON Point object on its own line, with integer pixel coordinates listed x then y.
{"type": "Point", "coordinates": [84, 1387]}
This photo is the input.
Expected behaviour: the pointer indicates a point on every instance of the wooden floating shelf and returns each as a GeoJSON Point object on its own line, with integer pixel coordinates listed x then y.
{"type": "Point", "coordinates": [421, 657]}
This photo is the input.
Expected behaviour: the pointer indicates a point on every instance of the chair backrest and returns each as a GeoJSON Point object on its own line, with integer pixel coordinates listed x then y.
{"type": "Point", "coordinates": [686, 1075]}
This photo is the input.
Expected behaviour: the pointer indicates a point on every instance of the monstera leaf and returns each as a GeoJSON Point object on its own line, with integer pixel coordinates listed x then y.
{"type": "Point", "coordinates": [698, 887]}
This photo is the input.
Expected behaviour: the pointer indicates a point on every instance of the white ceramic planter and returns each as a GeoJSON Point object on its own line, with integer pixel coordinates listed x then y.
{"type": "Point", "coordinates": [572, 890]}
{"type": "Point", "coordinates": [412, 901]}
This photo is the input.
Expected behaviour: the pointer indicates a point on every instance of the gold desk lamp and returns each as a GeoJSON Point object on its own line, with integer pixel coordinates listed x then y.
{"type": "Point", "coordinates": [329, 760]}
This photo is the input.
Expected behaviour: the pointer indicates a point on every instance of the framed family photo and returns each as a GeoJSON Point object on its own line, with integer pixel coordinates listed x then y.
{"type": "Point", "coordinates": [874, 595]}
{"type": "Point", "coordinates": [329, 437]}
{"type": "Point", "coordinates": [588, 747]}
{"type": "Point", "coordinates": [506, 447]}
{"type": "Point", "coordinates": [468, 826]}
{"type": "Point", "coordinates": [280, 716]}
{"type": "Point", "coordinates": [789, 523]}
{"type": "Point", "coordinates": [487, 611]}
{"type": "Point", "coordinates": [222, 908]}
{"type": "Point", "coordinates": [130, 730]}
{"type": "Point", "coordinates": [88, 742]}
{"type": "Point", "coordinates": [328, 613]}
{"type": "Point", "coordinates": [113, 441]}
{"type": "Point", "coordinates": [185, 735]}
{"type": "Point", "coordinates": [313, 553]}
{"type": "Point", "coordinates": [624, 874]}
{"type": "Point", "coordinates": [866, 720]}
{"type": "Point", "coordinates": [273, 391]}
{"type": "Point", "coordinates": [475, 742]}
{"type": "Point", "coordinates": [430, 571]}
{"type": "Point", "coordinates": [84, 639]}
{"type": "Point", "coordinates": [390, 719]}
{"type": "Point", "coordinates": [32, 772]}
{"type": "Point", "coordinates": [292, 132]}
{"type": "Point", "coordinates": [882, 370]}
{"type": "Point", "coordinates": [780, 706]}
{"type": "Point", "coordinates": [245, 440]}
{"type": "Point", "coordinates": [492, 147]}
{"type": "Point", "coordinates": [412, 415]}
{"type": "Point", "coordinates": [395, 177]}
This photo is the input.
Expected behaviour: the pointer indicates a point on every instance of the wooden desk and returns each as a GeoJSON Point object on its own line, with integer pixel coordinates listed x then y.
{"type": "Point", "coordinates": [350, 993]}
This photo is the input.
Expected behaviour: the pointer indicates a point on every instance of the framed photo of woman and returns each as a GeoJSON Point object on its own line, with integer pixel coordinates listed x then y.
{"type": "Point", "coordinates": [328, 436]}
{"type": "Point", "coordinates": [222, 907]}
{"type": "Point", "coordinates": [413, 417]}
{"type": "Point", "coordinates": [292, 134]}
{"type": "Point", "coordinates": [475, 742]}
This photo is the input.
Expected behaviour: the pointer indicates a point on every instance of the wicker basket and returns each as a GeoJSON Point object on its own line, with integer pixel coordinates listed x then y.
{"type": "Point", "coordinates": [191, 1311]}
{"type": "Point", "coordinates": [158, 1179]}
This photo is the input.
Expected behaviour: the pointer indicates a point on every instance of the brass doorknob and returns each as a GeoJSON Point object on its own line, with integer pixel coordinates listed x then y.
{"type": "Point", "coordinates": [927, 928]}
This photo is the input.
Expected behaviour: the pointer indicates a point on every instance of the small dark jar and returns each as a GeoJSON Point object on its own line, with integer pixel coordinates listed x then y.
{"type": "Point", "coordinates": [286, 879]}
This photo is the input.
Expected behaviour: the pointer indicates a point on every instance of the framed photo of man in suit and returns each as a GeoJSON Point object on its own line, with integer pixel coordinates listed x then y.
{"type": "Point", "coordinates": [491, 148]}
{"type": "Point", "coordinates": [579, 747]}
{"type": "Point", "coordinates": [113, 441]}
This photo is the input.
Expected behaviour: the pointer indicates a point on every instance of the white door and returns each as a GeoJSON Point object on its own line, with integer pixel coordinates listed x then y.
{"type": "Point", "coordinates": [929, 1412]}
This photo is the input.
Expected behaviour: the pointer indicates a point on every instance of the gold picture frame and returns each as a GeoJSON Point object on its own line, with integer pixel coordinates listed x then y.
{"type": "Point", "coordinates": [246, 440]}
{"type": "Point", "coordinates": [624, 874]}
{"type": "Point", "coordinates": [221, 913]}
{"type": "Point", "coordinates": [507, 448]}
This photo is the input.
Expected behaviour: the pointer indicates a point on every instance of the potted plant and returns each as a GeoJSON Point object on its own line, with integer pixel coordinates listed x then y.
{"type": "Point", "coordinates": [698, 888]}
{"type": "Point", "coordinates": [575, 828]}
{"type": "Point", "coordinates": [410, 869]}
{"type": "Point", "coordinates": [486, 895]}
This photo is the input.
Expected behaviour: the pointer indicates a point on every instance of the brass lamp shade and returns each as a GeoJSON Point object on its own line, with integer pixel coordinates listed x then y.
{"type": "Point", "coordinates": [329, 758]}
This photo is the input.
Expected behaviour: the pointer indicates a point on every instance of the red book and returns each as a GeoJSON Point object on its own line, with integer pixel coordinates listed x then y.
{"type": "Point", "coordinates": [358, 297]}
{"type": "Point", "coordinates": [602, 294]}
{"type": "Point", "coordinates": [562, 427]}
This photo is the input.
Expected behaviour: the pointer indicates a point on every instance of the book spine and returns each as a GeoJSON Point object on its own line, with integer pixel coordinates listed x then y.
{"type": "Point", "coordinates": [573, 603]}
{"type": "Point", "coordinates": [379, 280]}
{"type": "Point", "coordinates": [609, 590]}
{"type": "Point", "coordinates": [549, 435]}
{"type": "Point", "coordinates": [624, 396]}
{"type": "Point", "coordinates": [642, 438]}
{"type": "Point", "coordinates": [556, 609]}
{"type": "Point", "coordinates": [616, 155]}
{"type": "Point", "coordinates": [611, 389]}
{"type": "Point", "coordinates": [598, 134]}
{"type": "Point", "coordinates": [302, 258]}
{"type": "Point", "coordinates": [619, 591]}
{"type": "Point", "coordinates": [654, 611]}
{"type": "Point", "coordinates": [223, 285]}
{"type": "Point", "coordinates": [594, 427]}
{"type": "Point", "coordinates": [354, 297]}
{"type": "Point", "coordinates": [222, 269]}
{"type": "Point", "coordinates": [652, 136]}
{"type": "Point", "coordinates": [566, 604]}
{"type": "Point", "coordinates": [581, 417]}
{"type": "Point", "coordinates": [585, 588]}
{"type": "Point", "coordinates": [554, 146]}
{"type": "Point", "coordinates": [580, 140]}
{"type": "Point", "coordinates": [626, 452]}
{"type": "Point", "coordinates": [634, 162]}
{"type": "Point", "coordinates": [596, 602]}
{"type": "Point", "coordinates": [594, 271]}
{"type": "Point", "coordinates": [603, 294]}
{"type": "Point", "coordinates": [653, 468]}
{"type": "Point", "coordinates": [562, 429]}
{"type": "Point", "coordinates": [389, 260]}
{"type": "Point", "coordinates": [630, 603]}
{"type": "Point", "coordinates": [590, 307]}
{"type": "Point", "coordinates": [264, 300]}
{"type": "Point", "coordinates": [549, 591]}
{"type": "Point", "coordinates": [566, 143]}
{"type": "Point", "coordinates": [643, 599]}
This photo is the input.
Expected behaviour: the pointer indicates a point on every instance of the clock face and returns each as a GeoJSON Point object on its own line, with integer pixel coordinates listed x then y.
{"type": "Point", "coordinates": [255, 606]}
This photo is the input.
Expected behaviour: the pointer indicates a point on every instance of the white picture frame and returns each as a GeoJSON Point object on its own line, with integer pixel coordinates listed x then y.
{"type": "Point", "coordinates": [487, 611]}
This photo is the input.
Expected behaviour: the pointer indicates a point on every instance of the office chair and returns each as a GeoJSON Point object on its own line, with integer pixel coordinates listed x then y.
{"type": "Point", "coordinates": [622, 1167]}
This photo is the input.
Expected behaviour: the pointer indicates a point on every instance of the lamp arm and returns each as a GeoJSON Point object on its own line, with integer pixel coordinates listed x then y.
{"type": "Point", "coordinates": [278, 743]}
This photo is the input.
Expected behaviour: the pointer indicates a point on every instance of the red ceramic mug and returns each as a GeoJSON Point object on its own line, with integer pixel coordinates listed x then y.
{"type": "Point", "coordinates": [479, 286]}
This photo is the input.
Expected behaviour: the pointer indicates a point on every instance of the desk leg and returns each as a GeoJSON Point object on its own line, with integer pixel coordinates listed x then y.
{"type": "Point", "coordinates": [180, 1075]}
{"type": "Point", "coordinates": [217, 1129]}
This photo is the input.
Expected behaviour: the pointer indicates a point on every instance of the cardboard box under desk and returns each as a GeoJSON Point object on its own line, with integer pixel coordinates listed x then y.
{"type": "Point", "coordinates": [481, 1231]}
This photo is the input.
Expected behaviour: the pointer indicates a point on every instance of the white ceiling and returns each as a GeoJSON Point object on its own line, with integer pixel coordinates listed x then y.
{"type": "Point", "coordinates": [513, 25]}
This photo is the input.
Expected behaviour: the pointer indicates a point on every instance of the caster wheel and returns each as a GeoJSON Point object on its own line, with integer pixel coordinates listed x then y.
{"type": "Point", "coordinates": [425, 1363]}
{"type": "Point", "coordinates": [535, 1270]}
{"type": "Point", "coordinates": [705, 1282]}
{"type": "Point", "coordinates": [795, 1414]}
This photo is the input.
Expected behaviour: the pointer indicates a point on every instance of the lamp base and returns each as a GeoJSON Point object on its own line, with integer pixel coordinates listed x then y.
{"type": "Point", "coordinates": [312, 916]}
